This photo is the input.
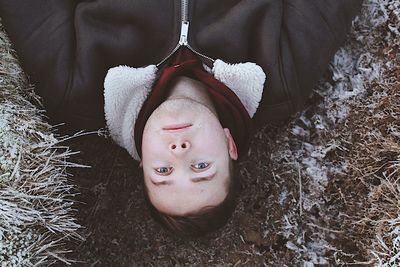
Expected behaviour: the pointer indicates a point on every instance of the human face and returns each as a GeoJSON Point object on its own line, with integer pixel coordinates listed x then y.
{"type": "Point", "coordinates": [185, 157]}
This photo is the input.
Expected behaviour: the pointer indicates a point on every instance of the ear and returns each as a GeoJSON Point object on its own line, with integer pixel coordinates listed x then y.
{"type": "Point", "coordinates": [231, 145]}
{"type": "Point", "coordinates": [141, 164]}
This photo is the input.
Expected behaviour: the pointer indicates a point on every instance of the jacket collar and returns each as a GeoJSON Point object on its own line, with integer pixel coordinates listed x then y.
{"type": "Point", "coordinates": [126, 89]}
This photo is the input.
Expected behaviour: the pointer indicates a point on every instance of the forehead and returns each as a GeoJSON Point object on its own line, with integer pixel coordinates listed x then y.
{"type": "Point", "coordinates": [183, 198]}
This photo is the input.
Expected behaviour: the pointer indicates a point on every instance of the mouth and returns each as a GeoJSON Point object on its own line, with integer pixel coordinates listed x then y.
{"type": "Point", "coordinates": [177, 127]}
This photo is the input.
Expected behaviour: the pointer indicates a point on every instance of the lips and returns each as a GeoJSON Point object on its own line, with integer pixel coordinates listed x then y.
{"type": "Point", "coordinates": [177, 127]}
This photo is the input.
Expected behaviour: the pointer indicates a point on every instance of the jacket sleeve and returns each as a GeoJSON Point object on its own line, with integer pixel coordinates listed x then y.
{"type": "Point", "coordinates": [43, 35]}
{"type": "Point", "coordinates": [310, 32]}
{"type": "Point", "coordinates": [313, 31]}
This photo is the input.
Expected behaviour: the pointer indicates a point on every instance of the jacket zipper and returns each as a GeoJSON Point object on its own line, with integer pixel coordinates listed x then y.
{"type": "Point", "coordinates": [183, 38]}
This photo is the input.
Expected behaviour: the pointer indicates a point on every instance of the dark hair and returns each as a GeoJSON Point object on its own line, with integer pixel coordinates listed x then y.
{"type": "Point", "coordinates": [207, 220]}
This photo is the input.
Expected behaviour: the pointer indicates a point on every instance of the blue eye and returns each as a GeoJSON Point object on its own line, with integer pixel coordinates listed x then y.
{"type": "Point", "coordinates": [163, 170]}
{"type": "Point", "coordinates": [201, 165]}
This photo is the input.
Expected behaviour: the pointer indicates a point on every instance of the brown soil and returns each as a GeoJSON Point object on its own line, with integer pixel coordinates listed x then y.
{"type": "Point", "coordinates": [120, 231]}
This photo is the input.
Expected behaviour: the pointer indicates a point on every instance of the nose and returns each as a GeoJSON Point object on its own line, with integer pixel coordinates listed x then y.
{"type": "Point", "coordinates": [179, 147]}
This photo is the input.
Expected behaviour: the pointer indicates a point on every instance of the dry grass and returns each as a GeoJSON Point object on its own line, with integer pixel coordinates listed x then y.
{"type": "Point", "coordinates": [36, 215]}
{"type": "Point", "coordinates": [375, 168]}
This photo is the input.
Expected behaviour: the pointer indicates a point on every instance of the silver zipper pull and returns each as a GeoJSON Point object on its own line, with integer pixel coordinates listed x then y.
{"type": "Point", "coordinates": [184, 33]}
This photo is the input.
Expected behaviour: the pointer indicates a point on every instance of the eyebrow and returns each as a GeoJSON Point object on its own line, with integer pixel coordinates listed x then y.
{"type": "Point", "coordinates": [194, 180]}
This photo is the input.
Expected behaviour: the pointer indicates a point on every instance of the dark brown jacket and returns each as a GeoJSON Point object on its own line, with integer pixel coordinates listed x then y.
{"type": "Point", "coordinates": [67, 46]}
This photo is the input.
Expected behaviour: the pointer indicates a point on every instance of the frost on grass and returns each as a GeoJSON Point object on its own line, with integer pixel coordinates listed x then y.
{"type": "Point", "coordinates": [36, 214]}
{"type": "Point", "coordinates": [379, 154]}
{"type": "Point", "coordinates": [311, 146]}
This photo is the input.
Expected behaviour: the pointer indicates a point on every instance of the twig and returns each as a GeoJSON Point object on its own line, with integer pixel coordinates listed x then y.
{"type": "Point", "coordinates": [300, 191]}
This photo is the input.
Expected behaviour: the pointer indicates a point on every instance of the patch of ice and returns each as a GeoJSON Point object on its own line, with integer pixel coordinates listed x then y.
{"type": "Point", "coordinates": [282, 197]}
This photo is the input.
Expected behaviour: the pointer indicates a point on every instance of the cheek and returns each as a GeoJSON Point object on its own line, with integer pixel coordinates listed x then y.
{"type": "Point", "coordinates": [151, 144]}
{"type": "Point", "coordinates": [213, 141]}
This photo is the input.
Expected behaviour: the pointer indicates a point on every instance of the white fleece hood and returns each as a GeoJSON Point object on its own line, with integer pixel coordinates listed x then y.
{"type": "Point", "coordinates": [126, 89]}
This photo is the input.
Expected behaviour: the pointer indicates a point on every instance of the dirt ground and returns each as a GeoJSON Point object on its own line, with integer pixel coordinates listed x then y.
{"type": "Point", "coordinates": [269, 227]}
{"type": "Point", "coordinates": [120, 232]}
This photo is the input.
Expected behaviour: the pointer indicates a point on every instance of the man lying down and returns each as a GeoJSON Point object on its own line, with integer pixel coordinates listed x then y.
{"type": "Point", "coordinates": [180, 85]}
